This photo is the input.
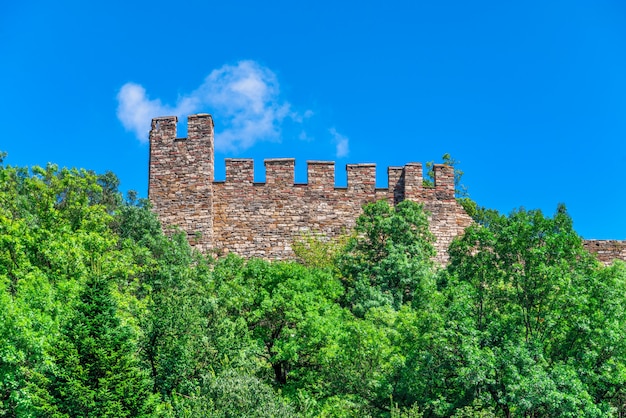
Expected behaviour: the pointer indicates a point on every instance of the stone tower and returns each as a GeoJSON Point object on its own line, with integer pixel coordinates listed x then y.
{"type": "Point", "coordinates": [181, 176]}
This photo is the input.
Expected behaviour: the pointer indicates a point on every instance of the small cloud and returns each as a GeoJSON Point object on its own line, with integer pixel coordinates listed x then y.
{"type": "Point", "coordinates": [341, 142]}
{"type": "Point", "coordinates": [135, 110]}
{"type": "Point", "coordinates": [244, 98]}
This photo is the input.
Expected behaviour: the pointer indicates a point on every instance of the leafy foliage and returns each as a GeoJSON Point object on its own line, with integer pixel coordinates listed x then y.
{"type": "Point", "coordinates": [460, 190]}
{"type": "Point", "coordinates": [538, 316]}
{"type": "Point", "coordinates": [101, 314]}
{"type": "Point", "coordinates": [94, 371]}
{"type": "Point", "coordinates": [318, 251]}
{"type": "Point", "coordinates": [388, 261]}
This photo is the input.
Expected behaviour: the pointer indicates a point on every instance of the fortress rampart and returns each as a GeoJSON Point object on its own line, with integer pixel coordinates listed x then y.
{"type": "Point", "coordinates": [263, 219]}
{"type": "Point", "coordinates": [607, 250]}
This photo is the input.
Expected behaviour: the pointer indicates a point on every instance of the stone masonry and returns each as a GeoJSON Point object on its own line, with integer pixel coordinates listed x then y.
{"type": "Point", "coordinates": [607, 250]}
{"type": "Point", "coordinates": [263, 219]}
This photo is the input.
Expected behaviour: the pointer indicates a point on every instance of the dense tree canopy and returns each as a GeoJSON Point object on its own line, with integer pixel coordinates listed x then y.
{"type": "Point", "coordinates": [101, 314]}
{"type": "Point", "coordinates": [388, 261]}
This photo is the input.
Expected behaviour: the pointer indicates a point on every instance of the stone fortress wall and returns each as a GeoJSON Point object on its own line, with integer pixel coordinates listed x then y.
{"type": "Point", "coordinates": [263, 219]}
{"type": "Point", "coordinates": [607, 250]}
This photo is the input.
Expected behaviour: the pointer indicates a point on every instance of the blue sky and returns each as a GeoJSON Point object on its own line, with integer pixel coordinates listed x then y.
{"type": "Point", "coordinates": [529, 96]}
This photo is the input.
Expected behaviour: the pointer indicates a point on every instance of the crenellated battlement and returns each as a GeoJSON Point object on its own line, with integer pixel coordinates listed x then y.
{"type": "Point", "coordinates": [262, 219]}
{"type": "Point", "coordinates": [280, 172]}
{"type": "Point", "coordinates": [401, 181]}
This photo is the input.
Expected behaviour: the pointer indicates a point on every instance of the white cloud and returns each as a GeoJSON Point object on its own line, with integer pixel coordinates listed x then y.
{"type": "Point", "coordinates": [135, 110]}
{"type": "Point", "coordinates": [341, 143]}
{"type": "Point", "coordinates": [245, 98]}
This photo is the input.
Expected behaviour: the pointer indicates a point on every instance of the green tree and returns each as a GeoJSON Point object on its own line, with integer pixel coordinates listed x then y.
{"type": "Point", "coordinates": [364, 368]}
{"type": "Point", "coordinates": [51, 233]}
{"type": "Point", "coordinates": [527, 319]}
{"type": "Point", "coordinates": [231, 395]}
{"type": "Point", "coordinates": [289, 310]}
{"type": "Point", "coordinates": [389, 260]}
{"type": "Point", "coordinates": [318, 251]}
{"type": "Point", "coordinates": [95, 371]}
{"type": "Point", "coordinates": [460, 190]}
{"type": "Point", "coordinates": [180, 331]}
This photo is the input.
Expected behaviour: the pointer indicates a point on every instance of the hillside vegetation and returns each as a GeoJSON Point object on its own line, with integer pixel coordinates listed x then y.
{"type": "Point", "coordinates": [102, 315]}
